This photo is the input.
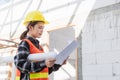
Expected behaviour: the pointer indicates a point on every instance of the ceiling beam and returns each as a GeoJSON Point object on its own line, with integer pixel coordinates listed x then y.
{"type": "Point", "coordinates": [59, 27]}
{"type": "Point", "coordinates": [21, 20]}
{"type": "Point", "coordinates": [61, 6]}
{"type": "Point", "coordinates": [46, 11]}
{"type": "Point", "coordinates": [2, 46]}
{"type": "Point", "coordinates": [14, 4]}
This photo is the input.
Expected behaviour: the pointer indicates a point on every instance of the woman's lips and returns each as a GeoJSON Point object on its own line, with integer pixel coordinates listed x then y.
{"type": "Point", "coordinates": [40, 34]}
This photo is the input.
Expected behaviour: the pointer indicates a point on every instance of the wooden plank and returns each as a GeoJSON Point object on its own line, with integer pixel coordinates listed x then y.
{"type": "Point", "coordinates": [6, 40]}
{"type": "Point", "coordinates": [59, 27]}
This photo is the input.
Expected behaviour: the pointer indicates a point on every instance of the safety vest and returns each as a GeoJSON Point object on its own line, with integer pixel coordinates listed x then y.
{"type": "Point", "coordinates": [42, 75]}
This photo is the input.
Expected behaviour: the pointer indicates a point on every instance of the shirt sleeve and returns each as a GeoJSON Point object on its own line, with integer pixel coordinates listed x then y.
{"type": "Point", "coordinates": [23, 64]}
{"type": "Point", "coordinates": [54, 68]}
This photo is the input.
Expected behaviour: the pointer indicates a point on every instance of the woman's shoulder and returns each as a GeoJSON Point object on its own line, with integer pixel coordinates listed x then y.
{"type": "Point", "coordinates": [24, 43]}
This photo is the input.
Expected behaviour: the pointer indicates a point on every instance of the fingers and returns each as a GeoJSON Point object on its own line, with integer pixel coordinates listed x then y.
{"type": "Point", "coordinates": [52, 59]}
{"type": "Point", "coordinates": [50, 62]}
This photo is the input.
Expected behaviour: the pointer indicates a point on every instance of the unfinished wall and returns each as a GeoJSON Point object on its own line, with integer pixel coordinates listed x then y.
{"type": "Point", "coordinates": [101, 44]}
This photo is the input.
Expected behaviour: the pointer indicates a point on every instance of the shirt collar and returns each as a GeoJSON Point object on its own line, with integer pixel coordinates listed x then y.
{"type": "Point", "coordinates": [32, 39]}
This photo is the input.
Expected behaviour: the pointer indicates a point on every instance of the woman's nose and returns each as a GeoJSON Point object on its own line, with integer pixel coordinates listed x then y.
{"type": "Point", "coordinates": [41, 30]}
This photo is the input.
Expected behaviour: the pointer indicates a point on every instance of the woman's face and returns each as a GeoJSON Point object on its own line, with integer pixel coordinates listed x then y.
{"type": "Point", "coordinates": [37, 30]}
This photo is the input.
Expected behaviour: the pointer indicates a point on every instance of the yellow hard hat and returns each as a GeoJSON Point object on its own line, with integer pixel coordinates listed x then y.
{"type": "Point", "coordinates": [34, 16]}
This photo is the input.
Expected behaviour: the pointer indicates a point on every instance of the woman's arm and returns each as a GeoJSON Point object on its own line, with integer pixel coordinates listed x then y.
{"type": "Point", "coordinates": [23, 64]}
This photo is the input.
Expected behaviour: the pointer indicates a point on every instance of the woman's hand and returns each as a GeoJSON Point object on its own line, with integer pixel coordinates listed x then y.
{"type": "Point", "coordinates": [50, 62]}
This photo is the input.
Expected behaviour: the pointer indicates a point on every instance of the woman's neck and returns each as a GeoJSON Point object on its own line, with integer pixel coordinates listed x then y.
{"type": "Point", "coordinates": [28, 34]}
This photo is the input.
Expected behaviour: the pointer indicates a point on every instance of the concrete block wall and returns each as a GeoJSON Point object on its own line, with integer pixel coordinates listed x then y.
{"type": "Point", "coordinates": [101, 44]}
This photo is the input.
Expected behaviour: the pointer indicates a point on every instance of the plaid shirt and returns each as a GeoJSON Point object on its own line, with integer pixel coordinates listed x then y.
{"type": "Point", "coordinates": [24, 65]}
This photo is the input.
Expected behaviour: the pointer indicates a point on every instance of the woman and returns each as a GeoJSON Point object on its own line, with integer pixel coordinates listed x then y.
{"type": "Point", "coordinates": [29, 70]}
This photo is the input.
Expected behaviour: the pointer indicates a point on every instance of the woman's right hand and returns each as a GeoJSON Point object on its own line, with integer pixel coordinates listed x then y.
{"type": "Point", "coordinates": [50, 62]}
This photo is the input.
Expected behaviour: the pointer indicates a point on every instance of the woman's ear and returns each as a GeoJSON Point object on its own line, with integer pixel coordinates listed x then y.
{"type": "Point", "coordinates": [30, 28]}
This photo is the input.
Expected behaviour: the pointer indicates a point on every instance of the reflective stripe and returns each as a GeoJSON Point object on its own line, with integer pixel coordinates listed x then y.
{"type": "Point", "coordinates": [40, 79]}
{"type": "Point", "coordinates": [38, 75]}
{"type": "Point", "coordinates": [17, 78]}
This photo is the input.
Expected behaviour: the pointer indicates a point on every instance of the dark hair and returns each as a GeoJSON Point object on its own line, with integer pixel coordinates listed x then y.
{"type": "Point", "coordinates": [31, 23]}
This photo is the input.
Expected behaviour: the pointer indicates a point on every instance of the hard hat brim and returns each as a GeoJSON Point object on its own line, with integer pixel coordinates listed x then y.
{"type": "Point", "coordinates": [26, 22]}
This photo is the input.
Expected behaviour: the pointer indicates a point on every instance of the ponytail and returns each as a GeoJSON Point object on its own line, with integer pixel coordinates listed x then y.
{"type": "Point", "coordinates": [23, 35]}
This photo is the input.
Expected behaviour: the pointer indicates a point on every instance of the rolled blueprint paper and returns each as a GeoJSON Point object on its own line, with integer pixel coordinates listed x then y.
{"type": "Point", "coordinates": [31, 57]}
{"type": "Point", "coordinates": [7, 59]}
{"type": "Point", "coordinates": [41, 56]}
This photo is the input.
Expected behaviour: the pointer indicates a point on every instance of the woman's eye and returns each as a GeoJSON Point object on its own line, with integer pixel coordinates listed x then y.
{"type": "Point", "coordinates": [41, 27]}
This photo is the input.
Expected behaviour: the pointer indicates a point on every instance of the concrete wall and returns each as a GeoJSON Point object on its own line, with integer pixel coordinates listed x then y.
{"type": "Point", "coordinates": [103, 3]}
{"type": "Point", "coordinates": [101, 44]}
